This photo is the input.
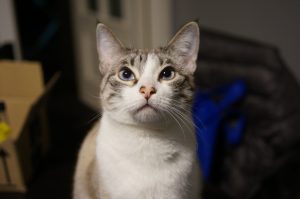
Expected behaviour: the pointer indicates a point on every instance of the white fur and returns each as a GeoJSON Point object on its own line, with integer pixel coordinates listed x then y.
{"type": "Point", "coordinates": [140, 163]}
{"type": "Point", "coordinates": [85, 158]}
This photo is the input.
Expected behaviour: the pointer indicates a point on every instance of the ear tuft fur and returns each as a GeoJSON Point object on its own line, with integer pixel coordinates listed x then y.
{"type": "Point", "coordinates": [185, 45]}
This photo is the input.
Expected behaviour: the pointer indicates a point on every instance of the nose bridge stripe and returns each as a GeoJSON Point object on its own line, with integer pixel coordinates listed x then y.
{"type": "Point", "coordinates": [149, 68]}
{"type": "Point", "coordinates": [147, 80]}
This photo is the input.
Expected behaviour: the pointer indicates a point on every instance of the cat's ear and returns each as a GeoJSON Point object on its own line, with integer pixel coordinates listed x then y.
{"type": "Point", "coordinates": [185, 45]}
{"type": "Point", "coordinates": [108, 46]}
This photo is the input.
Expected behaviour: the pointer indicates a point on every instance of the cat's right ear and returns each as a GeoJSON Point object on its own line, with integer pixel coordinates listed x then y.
{"type": "Point", "coordinates": [108, 46]}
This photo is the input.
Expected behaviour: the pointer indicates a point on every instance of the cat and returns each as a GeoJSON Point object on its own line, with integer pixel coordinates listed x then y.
{"type": "Point", "coordinates": [144, 145]}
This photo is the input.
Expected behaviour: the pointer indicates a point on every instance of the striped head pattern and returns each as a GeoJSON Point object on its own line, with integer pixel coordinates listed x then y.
{"type": "Point", "coordinates": [147, 86]}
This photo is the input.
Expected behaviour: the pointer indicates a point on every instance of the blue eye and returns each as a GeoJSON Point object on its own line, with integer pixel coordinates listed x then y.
{"type": "Point", "coordinates": [167, 73]}
{"type": "Point", "coordinates": [126, 74]}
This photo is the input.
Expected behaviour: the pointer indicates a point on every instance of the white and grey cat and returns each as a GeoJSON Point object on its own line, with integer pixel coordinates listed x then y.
{"type": "Point", "coordinates": [144, 146]}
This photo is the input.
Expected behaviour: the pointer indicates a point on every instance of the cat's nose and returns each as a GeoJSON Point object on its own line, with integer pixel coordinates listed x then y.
{"type": "Point", "coordinates": [147, 91]}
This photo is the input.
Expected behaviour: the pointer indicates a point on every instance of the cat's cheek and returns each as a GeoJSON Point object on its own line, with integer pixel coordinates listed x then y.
{"type": "Point", "coordinates": [164, 92]}
{"type": "Point", "coordinates": [132, 98]}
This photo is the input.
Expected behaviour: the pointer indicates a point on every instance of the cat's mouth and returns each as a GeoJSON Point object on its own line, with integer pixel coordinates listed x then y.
{"type": "Point", "coordinates": [147, 113]}
{"type": "Point", "coordinates": [145, 107]}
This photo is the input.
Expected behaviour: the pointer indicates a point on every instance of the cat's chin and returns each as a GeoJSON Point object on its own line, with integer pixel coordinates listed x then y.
{"type": "Point", "coordinates": [147, 114]}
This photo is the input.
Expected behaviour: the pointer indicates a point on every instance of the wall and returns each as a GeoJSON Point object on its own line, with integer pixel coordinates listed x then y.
{"type": "Point", "coordinates": [273, 21]}
{"type": "Point", "coordinates": [8, 29]}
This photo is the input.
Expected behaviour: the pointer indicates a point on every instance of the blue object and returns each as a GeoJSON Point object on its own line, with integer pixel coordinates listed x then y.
{"type": "Point", "coordinates": [209, 114]}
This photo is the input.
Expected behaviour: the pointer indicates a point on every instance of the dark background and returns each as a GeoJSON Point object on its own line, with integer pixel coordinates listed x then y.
{"type": "Point", "coordinates": [45, 36]}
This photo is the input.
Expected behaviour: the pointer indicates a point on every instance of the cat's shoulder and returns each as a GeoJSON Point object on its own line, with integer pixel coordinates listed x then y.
{"type": "Point", "coordinates": [88, 147]}
{"type": "Point", "coordinates": [83, 182]}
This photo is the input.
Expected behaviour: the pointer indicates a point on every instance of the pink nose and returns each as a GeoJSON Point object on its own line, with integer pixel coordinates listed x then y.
{"type": "Point", "coordinates": [147, 91]}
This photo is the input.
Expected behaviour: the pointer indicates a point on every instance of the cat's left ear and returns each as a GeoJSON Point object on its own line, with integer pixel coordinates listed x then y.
{"type": "Point", "coordinates": [185, 45]}
{"type": "Point", "coordinates": [108, 46]}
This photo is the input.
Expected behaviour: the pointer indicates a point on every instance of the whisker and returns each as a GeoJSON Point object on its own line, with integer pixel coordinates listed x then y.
{"type": "Point", "coordinates": [185, 120]}
{"type": "Point", "coordinates": [181, 128]}
{"type": "Point", "coordinates": [130, 105]}
{"type": "Point", "coordinates": [201, 136]}
{"type": "Point", "coordinates": [95, 117]}
{"type": "Point", "coordinates": [185, 111]}
{"type": "Point", "coordinates": [188, 120]}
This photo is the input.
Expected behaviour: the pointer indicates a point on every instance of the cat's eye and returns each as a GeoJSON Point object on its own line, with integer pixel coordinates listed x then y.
{"type": "Point", "coordinates": [126, 74]}
{"type": "Point", "coordinates": [167, 73]}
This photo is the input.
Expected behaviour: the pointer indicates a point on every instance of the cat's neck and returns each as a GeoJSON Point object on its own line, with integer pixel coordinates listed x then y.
{"type": "Point", "coordinates": [136, 142]}
{"type": "Point", "coordinates": [159, 128]}
{"type": "Point", "coordinates": [117, 132]}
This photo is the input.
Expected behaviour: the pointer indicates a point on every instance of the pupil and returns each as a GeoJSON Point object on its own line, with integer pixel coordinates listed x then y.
{"type": "Point", "coordinates": [167, 73]}
{"type": "Point", "coordinates": [126, 74]}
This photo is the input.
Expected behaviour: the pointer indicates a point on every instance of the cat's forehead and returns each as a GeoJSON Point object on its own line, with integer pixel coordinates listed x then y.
{"type": "Point", "coordinates": [143, 58]}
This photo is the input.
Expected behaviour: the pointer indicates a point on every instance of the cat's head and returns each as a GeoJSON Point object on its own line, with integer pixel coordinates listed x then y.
{"type": "Point", "coordinates": [146, 86]}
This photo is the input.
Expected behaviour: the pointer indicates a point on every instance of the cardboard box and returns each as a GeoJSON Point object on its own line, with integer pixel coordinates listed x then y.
{"type": "Point", "coordinates": [23, 91]}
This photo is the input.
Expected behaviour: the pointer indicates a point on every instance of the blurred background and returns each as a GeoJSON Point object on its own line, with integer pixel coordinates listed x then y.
{"type": "Point", "coordinates": [256, 41]}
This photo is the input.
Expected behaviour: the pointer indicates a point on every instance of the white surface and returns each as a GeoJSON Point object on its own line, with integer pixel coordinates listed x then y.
{"type": "Point", "coordinates": [8, 29]}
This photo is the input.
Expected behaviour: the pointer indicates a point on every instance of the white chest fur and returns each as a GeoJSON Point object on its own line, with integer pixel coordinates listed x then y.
{"type": "Point", "coordinates": [141, 163]}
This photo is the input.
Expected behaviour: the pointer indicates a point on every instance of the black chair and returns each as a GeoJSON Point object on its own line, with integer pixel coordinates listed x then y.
{"type": "Point", "coordinates": [267, 162]}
